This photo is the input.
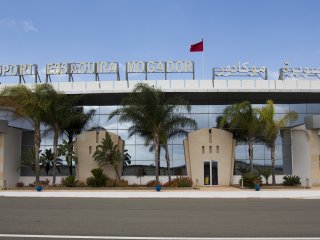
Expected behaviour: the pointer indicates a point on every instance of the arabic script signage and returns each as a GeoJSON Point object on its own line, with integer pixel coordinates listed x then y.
{"type": "Point", "coordinates": [298, 72]}
{"type": "Point", "coordinates": [240, 70]}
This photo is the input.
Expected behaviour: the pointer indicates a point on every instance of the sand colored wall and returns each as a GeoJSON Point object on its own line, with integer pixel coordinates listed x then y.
{"type": "Point", "coordinates": [10, 154]}
{"type": "Point", "coordinates": [2, 135]}
{"type": "Point", "coordinates": [195, 156]}
{"type": "Point", "coordinates": [90, 140]}
{"type": "Point", "coordinates": [301, 162]}
{"type": "Point", "coordinates": [305, 155]}
{"type": "Point", "coordinates": [315, 160]}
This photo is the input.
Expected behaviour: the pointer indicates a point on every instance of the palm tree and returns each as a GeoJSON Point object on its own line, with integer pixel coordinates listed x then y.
{"type": "Point", "coordinates": [67, 149]}
{"type": "Point", "coordinates": [150, 112]}
{"type": "Point", "coordinates": [32, 104]}
{"type": "Point", "coordinates": [174, 126]}
{"type": "Point", "coordinates": [272, 128]}
{"type": "Point", "coordinates": [59, 111]}
{"type": "Point", "coordinates": [108, 153]}
{"type": "Point", "coordinates": [74, 123]}
{"type": "Point", "coordinates": [47, 161]}
{"type": "Point", "coordinates": [242, 120]}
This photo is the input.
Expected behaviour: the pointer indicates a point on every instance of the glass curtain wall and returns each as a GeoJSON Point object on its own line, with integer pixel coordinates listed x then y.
{"type": "Point", "coordinates": [142, 160]}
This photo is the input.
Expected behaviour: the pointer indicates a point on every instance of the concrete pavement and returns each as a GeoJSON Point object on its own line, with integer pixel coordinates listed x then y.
{"type": "Point", "coordinates": [267, 194]}
{"type": "Point", "coordinates": [145, 217]}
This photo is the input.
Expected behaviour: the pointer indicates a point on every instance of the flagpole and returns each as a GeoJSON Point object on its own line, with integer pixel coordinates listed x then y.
{"type": "Point", "coordinates": [202, 60]}
{"type": "Point", "coordinates": [202, 66]}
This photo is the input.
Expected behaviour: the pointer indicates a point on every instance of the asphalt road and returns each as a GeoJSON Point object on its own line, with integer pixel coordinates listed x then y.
{"type": "Point", "coordinates": [160, 217]}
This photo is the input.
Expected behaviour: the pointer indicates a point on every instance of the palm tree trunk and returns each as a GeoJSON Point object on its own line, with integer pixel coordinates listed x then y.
{"type": "Point", "coordinates": [117, 173]}
{"type": "Point", "coordinates": [159, 151]}
{"type": "Point", "coordinates": [156, 156]}
{"type": "Point", "coordinates": [251, 154]}
{"type": "Point", "coordinates": [168, 161]}
{"type": "Point", "coordinates": [37, 141]}
{"type": "Point", "coordinates": [55, 153]}
{"type": "Point", "coordinates": [272, 149]}
{"type": "Point", "coordinates": [70, 141]}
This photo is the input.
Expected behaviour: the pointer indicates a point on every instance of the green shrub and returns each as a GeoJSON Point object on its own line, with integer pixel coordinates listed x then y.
{"type": "Point", "coordinates": [180, 182]}
{"type": "Point", "coordinates": [110, 182]}
{"type": "Point", "coordinates": [69, 181]}
{"type": "Point", "coordinates": [116, 183]}
{"type": "Point", "coordinates": [251, 179]}
{"type": "Point", "coordinates": [153, 183]}
{"type": "Point", "coordinates": [81, 184]}
{"type": "Point", "coordinates": [134, 185]}
{"type": "Point", "coordinates": [121, 183]}
{"type": "Point", "coordinates": [98, 178]}
{"type": "Point", "coordinates": [43, 183]}
{"type": "Point", "coordinates": [19, 184]}
{"type": "Point", "coordinates": [291, 180]}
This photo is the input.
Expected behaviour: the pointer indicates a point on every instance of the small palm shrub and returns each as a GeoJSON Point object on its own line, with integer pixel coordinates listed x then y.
{"type": "Point", "coordinates": [153, 183]}
{"type": "Point", "coordinates": [251, 179]}
{"type": "Point", "coordinates": [69, 181]}
{"type": "Point", "coordinates": [266, 173]}
{"type": "Point", "coordinates": [291, 180]}
{"type": "Point", "coordinates": [98, 178]}
{"type": "Point", "coordinates": [180, 182]}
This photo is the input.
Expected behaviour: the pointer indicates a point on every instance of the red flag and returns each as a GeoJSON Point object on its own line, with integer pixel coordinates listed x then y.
{"type": "Point", "coordinates": [198, 47]}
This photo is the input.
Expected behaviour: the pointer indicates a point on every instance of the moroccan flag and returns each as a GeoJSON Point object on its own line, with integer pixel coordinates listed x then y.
{"type": "Point", "coordinates": [198, 47]}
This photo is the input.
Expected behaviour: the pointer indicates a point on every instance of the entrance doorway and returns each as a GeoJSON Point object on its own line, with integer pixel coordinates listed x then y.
{"type": "Point", "coordinates": [210, 172]}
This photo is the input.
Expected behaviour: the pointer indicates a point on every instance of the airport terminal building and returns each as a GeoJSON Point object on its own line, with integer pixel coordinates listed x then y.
{"type": "Point", "coordinates": [208, 155]}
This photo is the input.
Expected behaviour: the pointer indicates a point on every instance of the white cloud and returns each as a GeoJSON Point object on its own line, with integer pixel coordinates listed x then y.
{"type": "Point", "coordinates": [25, 25]}
{"type": "Point", "coordinates": [7, 22]}
{"type": "Point", "coordinates": [28, 26]}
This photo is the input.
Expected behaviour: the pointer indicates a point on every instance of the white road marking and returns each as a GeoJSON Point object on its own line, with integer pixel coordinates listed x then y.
{"type": "Point", "coordinates": [147, 238]}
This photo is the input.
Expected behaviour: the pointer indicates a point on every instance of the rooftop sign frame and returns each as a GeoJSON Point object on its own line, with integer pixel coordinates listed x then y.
{"type": "Point", "coordinates": [240, 70]}
{"type": "Point", "coordinates": [298, 72]}
{"type": "Point", "coordinates": [165, 67]}
{"type": "Point", "coordinates": [20, 70]}
{"type": "Point", "coordinates": [94, 68]}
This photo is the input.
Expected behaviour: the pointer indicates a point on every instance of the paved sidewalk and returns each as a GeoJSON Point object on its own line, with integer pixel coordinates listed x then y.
{"type": "Point", "coordinates": [295, 194]}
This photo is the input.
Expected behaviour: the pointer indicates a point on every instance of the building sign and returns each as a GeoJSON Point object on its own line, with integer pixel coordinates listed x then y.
{"type": "Point", "coordinates": [298, 72]}
{"type": "Point", "coordinates": [20, 70]}
{"type": "Point", "coordinates": [240, 70]}
{"type": "Point", "coordinates": [95, 68]}
{"type": "Point", "coordinates": [150, 67]}
{"type": "Point", "coordinates": [159, 67]}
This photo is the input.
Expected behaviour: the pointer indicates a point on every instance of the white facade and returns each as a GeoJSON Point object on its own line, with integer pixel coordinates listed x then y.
{"type": "Point", "coordinates": [305, 150]}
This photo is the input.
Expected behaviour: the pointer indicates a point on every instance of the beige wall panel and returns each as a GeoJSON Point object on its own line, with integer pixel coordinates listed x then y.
{"type": "Point", "coordinates": [86, 144]}
{"type": "Point", "coordinates": [1, 158]}
{"type": "Point", "coordinates": [12, 156]}
{"type": "Point", "coordinates": [301, 153]}
{"type": "Point", "coordinates": [315, 168]}
{"type": "Point", "coordinates": [221, 144]}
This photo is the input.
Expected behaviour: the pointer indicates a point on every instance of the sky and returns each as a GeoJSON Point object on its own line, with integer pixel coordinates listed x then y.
{"type": "Point", "coordinates": [263, 33]}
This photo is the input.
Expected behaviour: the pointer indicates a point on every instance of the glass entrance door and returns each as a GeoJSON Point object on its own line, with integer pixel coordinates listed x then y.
{"type": "Point", "coordinates": [210, 172]}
